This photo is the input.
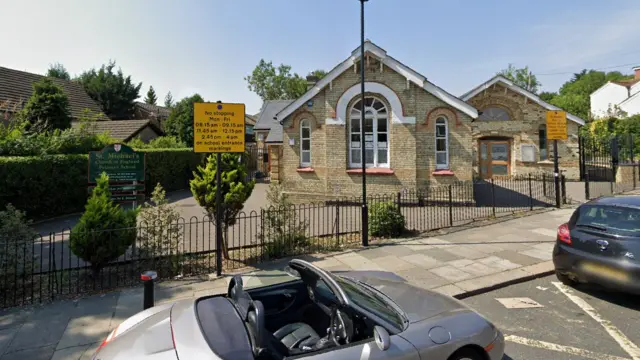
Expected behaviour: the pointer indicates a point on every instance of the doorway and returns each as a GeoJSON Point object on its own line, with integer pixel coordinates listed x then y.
{"type": "Point", "coordinates": [495, 158]}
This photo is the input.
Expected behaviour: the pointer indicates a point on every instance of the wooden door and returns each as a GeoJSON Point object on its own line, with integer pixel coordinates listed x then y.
{"type": "Point", "coordinates": [495, 158]}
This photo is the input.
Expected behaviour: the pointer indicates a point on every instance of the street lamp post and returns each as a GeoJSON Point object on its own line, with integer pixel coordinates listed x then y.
{"type": "Point", "coordinates": [365, 211]}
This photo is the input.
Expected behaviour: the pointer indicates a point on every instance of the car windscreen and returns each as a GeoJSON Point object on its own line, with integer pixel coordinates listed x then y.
{"type": "Point", "coordinates": [223, 328]}
{"type": "Point", "coordinates": [370, 300]}
{"type": "Point", "coordinates": [613, 220]}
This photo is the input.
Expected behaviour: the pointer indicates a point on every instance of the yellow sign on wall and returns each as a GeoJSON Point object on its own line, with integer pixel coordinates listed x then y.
{"type": "Point", "coordinates": [556, 125]}
{"type": "Point", "coordinates": [218, 128]}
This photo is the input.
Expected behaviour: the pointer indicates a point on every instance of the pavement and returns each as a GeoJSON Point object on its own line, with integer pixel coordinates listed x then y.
{"type": "Point", "coordinates": [453, 262]}
{"type": "Point", "coordinates": [543, 319]}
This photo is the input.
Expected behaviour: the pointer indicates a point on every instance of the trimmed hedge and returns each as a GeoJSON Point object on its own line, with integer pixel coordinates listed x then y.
{"type": "Point", "coordinates": [55, 185]}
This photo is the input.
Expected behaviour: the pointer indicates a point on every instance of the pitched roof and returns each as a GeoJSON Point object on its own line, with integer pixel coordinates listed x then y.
{"type": "Point", "coordinates": [400, 68]}
{"type": "Point", "coordinates": [513, 87]}
{"type": "Point", "coordinates": [123, 130]}
{"type": "Point", "coordinates": [267, 121]}
{"type": "Point", "coordinates": [160, 111]}
{"type": "Point", "coordinates": [17, 86]}
{"type": "Point", "coordinates": [627, 83]}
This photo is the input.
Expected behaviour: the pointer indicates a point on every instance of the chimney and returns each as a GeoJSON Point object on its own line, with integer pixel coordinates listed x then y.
{"type": "Point", "coordinates": [312, 80]}
{"type": "Point", "coordinates": [636, 72]}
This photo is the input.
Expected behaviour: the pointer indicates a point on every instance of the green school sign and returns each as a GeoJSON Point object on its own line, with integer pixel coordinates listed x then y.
{"type": "Point", "coordinates": [119, 161]}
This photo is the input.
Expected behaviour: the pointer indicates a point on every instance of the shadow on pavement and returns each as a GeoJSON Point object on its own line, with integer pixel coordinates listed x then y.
{"type": "Point", "coordinates": [628, 301]}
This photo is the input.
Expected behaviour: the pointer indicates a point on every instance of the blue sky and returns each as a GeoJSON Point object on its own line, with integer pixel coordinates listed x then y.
{"type": "Point", "coordinates": [209, 47]}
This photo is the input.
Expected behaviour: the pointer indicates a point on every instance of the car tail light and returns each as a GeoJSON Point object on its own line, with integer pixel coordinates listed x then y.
{"type": "Point", "coordinates": [564, 234]}
{"type": "Point", "coordinates": [110, 337]}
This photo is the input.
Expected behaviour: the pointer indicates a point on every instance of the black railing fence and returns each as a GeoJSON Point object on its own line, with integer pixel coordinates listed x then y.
{"type": "Point", "coordinates": [609, 165]}
{"type": "Point", "coordinates": [46, 268]}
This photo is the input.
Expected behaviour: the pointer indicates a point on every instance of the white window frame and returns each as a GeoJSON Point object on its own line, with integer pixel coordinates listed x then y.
{"type": "Point", "coordinates": [440, 121]}
{"type": "Point", "coordinates": [376, 117]}
{"type": "Point", "coordinates": [304, 124]}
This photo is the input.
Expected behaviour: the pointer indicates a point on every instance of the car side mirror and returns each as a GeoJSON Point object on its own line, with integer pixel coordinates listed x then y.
{"type": "Point", "coordinates": [383, 340]}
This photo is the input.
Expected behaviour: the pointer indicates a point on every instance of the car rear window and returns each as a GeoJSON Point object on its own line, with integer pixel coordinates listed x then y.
{"type": "Point", "coordinates": [611, 219]}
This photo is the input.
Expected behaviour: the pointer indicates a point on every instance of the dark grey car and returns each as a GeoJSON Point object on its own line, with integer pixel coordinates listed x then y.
{"type": "Point", "coordinates": [318, 315]}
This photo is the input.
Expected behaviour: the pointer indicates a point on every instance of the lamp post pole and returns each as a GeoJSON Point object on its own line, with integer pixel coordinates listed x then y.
{"type": "Point", "coordinates": [365, 211]}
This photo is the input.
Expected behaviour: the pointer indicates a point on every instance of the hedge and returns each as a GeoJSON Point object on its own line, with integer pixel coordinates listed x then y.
{"type": "Point", "coordinates": [54, 185]}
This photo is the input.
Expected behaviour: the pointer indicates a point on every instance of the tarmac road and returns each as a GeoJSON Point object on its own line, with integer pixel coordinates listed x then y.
{"type": "Point", "coordinates": [582, 323]}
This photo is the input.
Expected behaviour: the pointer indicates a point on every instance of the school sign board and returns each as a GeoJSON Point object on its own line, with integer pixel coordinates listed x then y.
{"type": "Point", "coordinates": [218, 128]}
{"type": "Point", "coordinates": [125, 168]}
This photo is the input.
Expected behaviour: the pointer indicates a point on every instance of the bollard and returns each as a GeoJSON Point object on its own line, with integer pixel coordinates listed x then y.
{"type": "Point", "coordinates": [148, 277]}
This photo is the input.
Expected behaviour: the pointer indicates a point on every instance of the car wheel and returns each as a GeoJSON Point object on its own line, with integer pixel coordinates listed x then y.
{"type": "Point", "coordinates": [565, 279]}
{"type": "Point", "coordinates": [467, 354]}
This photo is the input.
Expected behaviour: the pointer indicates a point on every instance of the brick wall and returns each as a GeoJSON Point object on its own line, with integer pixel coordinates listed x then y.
{"type": "Point", "coordinates": [412, 146]}
{"type": "Point", "coordinates": [527, 116]}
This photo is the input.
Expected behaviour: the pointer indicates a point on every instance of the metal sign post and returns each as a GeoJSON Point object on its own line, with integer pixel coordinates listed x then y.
{"type": "Point", "coordinates": [556, 130]}
{"type": "Point", "coordinates": [218, 128]}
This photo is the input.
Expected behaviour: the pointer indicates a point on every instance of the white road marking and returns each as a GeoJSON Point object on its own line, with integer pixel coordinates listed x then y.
{"type": "Point", "coordinates": [518, 303]}
{"type": "Point", "coordinates": [561, 348]}
{"type": "Point", "coordinates": [541, 288]}
{"type": "Point", "coordinates": [629, 347]}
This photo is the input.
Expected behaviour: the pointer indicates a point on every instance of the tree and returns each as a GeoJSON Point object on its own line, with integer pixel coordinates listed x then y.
{"type": "Point", "coordinates": [521, 77]}
{"type": "Point", "coordinates": [168, 100]}
{"type": "Point", "coordinates": [105, 230]}
{"type": "Point", "coordinates": [47, 108]}
{"type": "Point", "coordinates": [115, 93]}
{"type": "Point", "coordinates": [319, 73]}
{"type": "Point", "coordinates": [58, 70]}
{"type": "Point", "coordinates": [151, 96]}
{"type": "Point", "coordinates": [235, 191]}
{"type": "Point", "coordinates": [180, 120]}
{"type": "Point", "coordinates": [271, 83]}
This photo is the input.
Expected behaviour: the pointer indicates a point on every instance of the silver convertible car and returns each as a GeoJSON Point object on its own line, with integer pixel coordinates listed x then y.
{"type": "Point", "coordinates": [319, 315]}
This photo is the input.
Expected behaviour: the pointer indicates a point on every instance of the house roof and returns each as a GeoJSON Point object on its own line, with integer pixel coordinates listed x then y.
{"type": "Point", "coordinates": [513, 87]}
{"type": "Point", "coordinates": [267, 121]}
{"type": "Point", "coordinates": [17, 86]}
{"type": "Point", "coordinates": [627, 83]}
{"type": "Point", "coordinates": [407, 72]}
{"type": "Point", "coordinates": [160, 111]}
{"type": "Point", "coordinates": [249, 119]}
{"type": "Point", "coordinates": [122, 130]}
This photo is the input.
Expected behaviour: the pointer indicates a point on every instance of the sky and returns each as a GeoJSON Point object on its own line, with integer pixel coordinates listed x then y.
{"type": "Point", "coordinates": [210, 46]}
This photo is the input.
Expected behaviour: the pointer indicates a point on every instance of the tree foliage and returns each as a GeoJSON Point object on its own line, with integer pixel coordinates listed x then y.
{"type": "Point", "coordinates": [115, 92]}
{"type": "Point", "coordinates": [521, 77]}
{"type": "Point", "coordinates": [235, 190]}
{"type": "Point", "coordinates": [151, 98]}
{"type": "Point", "coordinates": [574, 95]}
{"type": "Point", "coordinates": [47, 108]}
{"type": "Point", "coordinates": [58, 70]}
{"type": "Point", "coordinates": [278, 83]}
{"type": "Point", "coordinates": [168, 100]}
{"type": "Point", "coordinates": [105, 230]}
{"type": "Point", "coordinates": [180, 121]}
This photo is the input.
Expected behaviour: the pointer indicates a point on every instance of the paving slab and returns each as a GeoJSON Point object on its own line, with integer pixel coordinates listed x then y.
{"type": "Point", "coordinates": [34, 353]}
{"type": "Point", "coordinates": [71, 353]}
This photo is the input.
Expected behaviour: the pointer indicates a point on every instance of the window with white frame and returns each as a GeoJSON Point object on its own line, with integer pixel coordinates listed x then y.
{"type": "Point", "coordinates": [376, 133]}
{"type": "Point", "coordinates": [442, 143]}
{"type": "Point", "coordinates": [305, 143]}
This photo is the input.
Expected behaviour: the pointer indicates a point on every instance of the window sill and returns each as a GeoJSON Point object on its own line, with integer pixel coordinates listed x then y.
{"type": "Point", "coordinates": [305, 170]}
{"type": "Point", "coordinates": [442, 172]}
{"type": "Point", "coordinates": [545, 162]}
{"type": "Point", "coordinates": [372, 171]}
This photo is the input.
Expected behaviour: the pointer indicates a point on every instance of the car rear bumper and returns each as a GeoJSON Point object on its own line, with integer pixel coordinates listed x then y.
{"type": "Point", "coordinates": [617, 274]}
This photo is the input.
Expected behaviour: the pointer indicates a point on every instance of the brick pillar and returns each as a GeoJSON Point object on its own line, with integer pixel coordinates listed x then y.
{"type": "Point", "coordinates": [275, 152]}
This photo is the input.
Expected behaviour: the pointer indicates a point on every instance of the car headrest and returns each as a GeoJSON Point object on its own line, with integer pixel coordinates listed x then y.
{"type": "Point", "coordinates": [235, 286]}
{"type": "Point", "coordinates": [255, 319]}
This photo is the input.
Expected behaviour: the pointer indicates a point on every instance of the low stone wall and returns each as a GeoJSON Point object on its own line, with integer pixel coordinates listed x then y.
{"type": "Point", "coordinates": [627, 174]}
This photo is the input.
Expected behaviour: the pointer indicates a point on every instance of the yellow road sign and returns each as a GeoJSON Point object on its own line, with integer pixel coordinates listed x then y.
{"type": "Point", "coordinates": [218, 128]}
{"type": "Point", "coordinates": [556, 125]}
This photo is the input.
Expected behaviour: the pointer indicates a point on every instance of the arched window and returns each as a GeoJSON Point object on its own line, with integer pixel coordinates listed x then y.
{"type": "Point", "coordinates": [305, 143]}
{"type": "Point", "coordinates": [376, 133]}
{"type": "Point", "coordinates": [442, 143]}
{"type": "Point", "coordinates": [542, 142]}
{"type": "Point", "coordinates": [494, 114]}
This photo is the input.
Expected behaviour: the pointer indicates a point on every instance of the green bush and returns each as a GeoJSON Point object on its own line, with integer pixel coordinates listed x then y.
{"type": "Point", "coordinates": [105, 230]}
{"type": "Point", "coordinates": [386, 220]}
{"type": "Point", "coordinates": [69, 141]}
{"type": "Point", "coordinates": [283, 232]}
{"type": "Point", "coordinates": [16, 249]}
{"type": "Point", "coordinates": [162, 142]}
{"type": "Point", "coordinates": [57, 184]}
